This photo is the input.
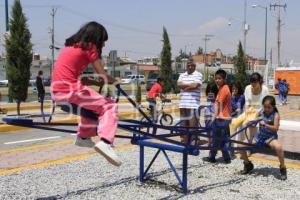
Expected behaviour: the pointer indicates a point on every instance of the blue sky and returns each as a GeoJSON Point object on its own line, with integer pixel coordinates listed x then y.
{"type": "Point", "coordinates": [135, 26]}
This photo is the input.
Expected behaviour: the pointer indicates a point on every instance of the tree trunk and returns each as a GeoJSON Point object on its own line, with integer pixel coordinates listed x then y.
{"type": "Point", "coordinates": [18, 107]}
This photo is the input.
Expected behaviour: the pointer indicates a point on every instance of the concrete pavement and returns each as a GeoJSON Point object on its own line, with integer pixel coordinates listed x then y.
{"type": "Point", "coordinates": [31, 148]}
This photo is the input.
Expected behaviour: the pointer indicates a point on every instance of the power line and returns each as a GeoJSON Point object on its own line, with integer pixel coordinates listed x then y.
{"type": "Point", "coordinates": [279, 24]}
{"type": "Point", "coordinates": [34, 6]}
{"type": "Point", "coordinates": [128, 28]}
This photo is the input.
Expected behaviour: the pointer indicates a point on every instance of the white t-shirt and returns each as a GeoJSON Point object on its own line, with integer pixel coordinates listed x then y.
{"type": "Point", "coordinates": [190, 99]}
{"type": "Point", "coordinates": [255, 100]}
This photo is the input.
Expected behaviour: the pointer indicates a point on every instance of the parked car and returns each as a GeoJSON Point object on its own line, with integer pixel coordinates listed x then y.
{"type": "Point", "coordinates": [3, 83]}
{"type": "Point", "coordinates": [32, 83]}
{"type": "Point", "coordinates": [133, 79]}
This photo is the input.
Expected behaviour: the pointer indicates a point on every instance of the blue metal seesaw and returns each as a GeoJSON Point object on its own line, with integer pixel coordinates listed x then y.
{"type": "Point", "coordinates": [147, 134]}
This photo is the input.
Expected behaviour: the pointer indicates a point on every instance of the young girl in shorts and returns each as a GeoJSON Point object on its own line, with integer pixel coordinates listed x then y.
{"type": "Point", "coordinates": [81, 49]}
{"type": "Point", "coordinates": [267, 135]}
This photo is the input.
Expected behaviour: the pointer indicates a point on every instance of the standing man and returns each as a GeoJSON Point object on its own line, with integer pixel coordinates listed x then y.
{"type": "Point", "coordinates": [40, 86]}
{"type": "Point", "coordinates": [189, 84]}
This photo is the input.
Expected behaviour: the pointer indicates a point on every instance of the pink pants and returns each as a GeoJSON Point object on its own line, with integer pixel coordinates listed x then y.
{"type": "Point", "coordinates": [89, 99]}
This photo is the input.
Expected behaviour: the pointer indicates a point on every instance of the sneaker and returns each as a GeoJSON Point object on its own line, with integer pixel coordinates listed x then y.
{"type": "Point", "coordinates": [107, 151]}
{"type": "Point", "coordinates": [283, 174]}
{"type": "Point", "coordinates": [208, 159]}
{"type": "Point", "coordinates": [248, 167]}
{"type": "Point", "coordinates": [84, 142]}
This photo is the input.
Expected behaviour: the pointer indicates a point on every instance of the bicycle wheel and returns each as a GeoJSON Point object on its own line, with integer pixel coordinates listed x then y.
{"type": "Point", "coordinates": [166, 120]}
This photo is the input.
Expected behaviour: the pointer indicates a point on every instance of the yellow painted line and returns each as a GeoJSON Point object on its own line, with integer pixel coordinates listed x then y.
{"type": "Point", "coordinates": [8, 128]}
{"type": "Point", "coordinates": [274, 162]}
{"type": "Point", "coordinates": [11, 128]}
{"type": "Point", "coordinates": [37, 106]}
{"type": "Point", "coordinates": [60, 161]}
{"type": "Point", "coordinates": [271, 162]}
{"type": "Point", "coordinates": [37, 146]}
{"type": "Point", "coordinates": [26, 107]}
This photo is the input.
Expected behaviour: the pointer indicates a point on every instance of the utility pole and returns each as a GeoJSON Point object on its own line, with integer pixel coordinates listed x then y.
{"type": "Point", "coordinates": [246, 27]}
{"type": "Point", "coordinates": [10, 99]}
{"type": "Point", "coordinates": [279, 24]}
{"type": "Point", "coordinates": [6, 15]}
{"type": "Point", "coordinates": [52, 47]}
{"type": "Point", "coordinates": [206, 39]}
{"type": "Point", "coordinates": [266, 27]}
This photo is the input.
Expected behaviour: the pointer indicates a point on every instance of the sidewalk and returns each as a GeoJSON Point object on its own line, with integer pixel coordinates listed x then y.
{"type": "Point", "coordinates": [48, 103]}
{"type": "Point", "coordinates": [40, 155]}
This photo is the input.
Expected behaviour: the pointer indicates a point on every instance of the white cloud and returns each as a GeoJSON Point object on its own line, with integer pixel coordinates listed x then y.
{"type": "Point", "coordinates": [208, 27]}
{"type": "Point", "coordinates": [213, 25]}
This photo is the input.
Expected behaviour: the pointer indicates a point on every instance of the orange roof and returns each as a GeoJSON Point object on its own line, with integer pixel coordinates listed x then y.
{"type": "Point", "coordinates": [149, 67]}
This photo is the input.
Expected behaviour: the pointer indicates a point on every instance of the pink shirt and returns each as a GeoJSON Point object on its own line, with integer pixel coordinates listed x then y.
{"type": "Point", "coordinates": [154, 91]}
{"type": "Point", "coordinates": [69, 65]}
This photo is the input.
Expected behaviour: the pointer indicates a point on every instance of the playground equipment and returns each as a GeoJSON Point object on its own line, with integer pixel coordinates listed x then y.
{"type": "Point", "coordinates": [146, 134]}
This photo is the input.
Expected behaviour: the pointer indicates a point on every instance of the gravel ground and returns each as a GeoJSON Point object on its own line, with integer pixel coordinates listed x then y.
{"type": "Point", "coordinates": [94, 179]}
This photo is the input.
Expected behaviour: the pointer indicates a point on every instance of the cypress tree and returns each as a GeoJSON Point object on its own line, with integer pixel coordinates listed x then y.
{"type": "Point", "coordinates": [240, 67]}
{"type": "Point", "coordinates": [166, 62]}
{"type": "Point", "coordinates": [18, 55]}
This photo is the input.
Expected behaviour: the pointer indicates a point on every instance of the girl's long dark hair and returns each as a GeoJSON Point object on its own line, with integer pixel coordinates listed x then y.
{"type": "Point", "coordinates": [90, 33]}
{"type": "Point", "coordinates": [272, 101]}
{"type": "Point", "coordinates": [238, 86]}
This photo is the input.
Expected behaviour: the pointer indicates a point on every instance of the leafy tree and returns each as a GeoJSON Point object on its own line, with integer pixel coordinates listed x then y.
{"type": "Point", "coordinates": [240, 67]}
{"type": "Point", "coordinates": [166, 62]}
{"type": "Point", "coordinates": [199, 51]}
{"type": "Point", "coordinates": [18, 54]}
{"type": "Point", "coordinates": [181, 55]}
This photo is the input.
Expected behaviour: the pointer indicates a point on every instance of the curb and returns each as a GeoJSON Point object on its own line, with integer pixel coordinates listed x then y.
{"type": "Point", "coordinates": [27, 107]}
{"type": "Point", "coordinates": [48, 105]}
{"type": "Point", "coordinates": [287, 154]}
{"type": "Point", "coordinates": [5, 128]}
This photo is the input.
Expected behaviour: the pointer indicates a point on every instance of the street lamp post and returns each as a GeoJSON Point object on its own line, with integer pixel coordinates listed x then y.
{"type": "Point", "coordinates": [266, 28]}
{"type": "Point", "coordinates": [206, 39]}
{"type": "Point", "coordinates": [246, 26]}
{"type": "Point", "coordinates": [6, 15]}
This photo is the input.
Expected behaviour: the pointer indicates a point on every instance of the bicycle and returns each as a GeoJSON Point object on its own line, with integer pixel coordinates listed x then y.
{"type": "Point", "coordinates": [164, 118]}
